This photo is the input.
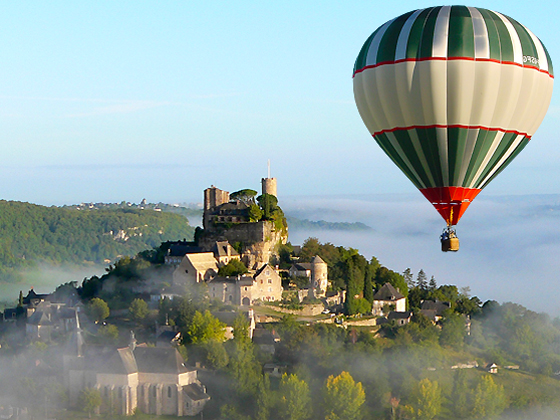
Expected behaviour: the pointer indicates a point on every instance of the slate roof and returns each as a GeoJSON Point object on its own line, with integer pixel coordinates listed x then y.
{"type": "Point", "coordinates": [160, 360]}
{"type": "Point", "coordinates": [121, 362]}
{"type": "Point", "coordinates": [32, 296]}
{"type": "Point", "coordinates": [399, 315]}
{"type": "Point", "coordinates": [180, 250]}
{"type": "Point", "coordinates": [303, 266]}
{"type": "Point", "coordinates": [39, 318]}
{"type": "Point", "coordinates": [388, 292]}
{"type": "Point", "coordinates": [436, 305]}
{"type": "Point", "coordinates": [221, 249]}
{"type": "Point", "coordinates": [195, 392]}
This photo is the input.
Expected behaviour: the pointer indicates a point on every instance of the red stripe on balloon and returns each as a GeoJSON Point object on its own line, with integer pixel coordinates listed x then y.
{"type": "Point", "coordinates": [508, 63]}
{"type": "Point", "coordinates": [466, 127]}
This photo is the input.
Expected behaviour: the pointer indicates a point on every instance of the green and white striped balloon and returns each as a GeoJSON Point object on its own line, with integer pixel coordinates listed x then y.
{"type": "Point", "coordinates": [452, 94]}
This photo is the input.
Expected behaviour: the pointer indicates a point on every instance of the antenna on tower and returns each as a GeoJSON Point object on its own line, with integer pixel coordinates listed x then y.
{"type": "Point", "coordinates": [268, 168]}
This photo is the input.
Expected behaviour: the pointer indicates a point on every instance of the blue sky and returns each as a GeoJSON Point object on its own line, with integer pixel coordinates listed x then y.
{"type": "Point", "coordinates": [111, 101]}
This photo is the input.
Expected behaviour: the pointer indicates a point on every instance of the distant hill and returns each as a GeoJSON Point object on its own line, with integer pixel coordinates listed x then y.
{"type": "Point", "coordinates": [299, 224]}
{"type": "Point", "coordinates": [31, 233]}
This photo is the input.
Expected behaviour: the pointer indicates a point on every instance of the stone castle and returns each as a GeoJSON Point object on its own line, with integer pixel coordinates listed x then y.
{"type": "Point", "coordinates": [225, 220]}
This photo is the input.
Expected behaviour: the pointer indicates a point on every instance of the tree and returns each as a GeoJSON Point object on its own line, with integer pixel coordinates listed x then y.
{"type": "Point", "coordinates": [422, 280]}
{"type": "Point", "coordinates": [216, 355]}
{"type": "Point", "coordinates": [255, 213]}
{"type": "Point", "coordinates": [368, 284]}
{"type": "Point", "coordinates": [98, 310]}
{"type": "Point", "coordinates": [295, 399]}
{"type": "Point", "coordinates": [205, 327]}
{"type": "Point", "coordinates": [268, 204]}
{"type": "Point", "coordinates": [489, 399]}
{"type": "Point", "coordinates": [453, 331]}
{"type": "Point", "coordinates": [90, 400]}
{"type": "Point", "coordinates": [247, 196]}
{"type": "Point", "coordinates": [433, 284]}
{"type": "Point", "coordinates": [408, 278]}
{"type": "Point", "coordinates": [460, 393]}
{"type": "Point", "coordinates": [109, 333]}
{"type": "Point", "coordinates": [427, 400]}
{"type": "Point", "coordinates": [263, 397]}
{"type": "Point", "coordinates": [343, 398]}
{"type": "Point", "coordinates": [138, 309]}
{"type": "Point", "coordinates": [233, 268]}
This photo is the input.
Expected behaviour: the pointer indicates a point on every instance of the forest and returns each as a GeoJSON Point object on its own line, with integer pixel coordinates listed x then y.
{"type": "Point", "coordinates": [31, 233]}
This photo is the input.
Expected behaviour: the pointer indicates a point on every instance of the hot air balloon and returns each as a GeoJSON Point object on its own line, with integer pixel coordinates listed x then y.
{"type": "Point", "coordinates": [452, 94]}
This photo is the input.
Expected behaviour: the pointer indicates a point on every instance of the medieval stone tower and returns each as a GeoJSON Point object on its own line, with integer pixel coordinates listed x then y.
{"type": "Point", "coordinates": [319, 278]}
{"type": "Point", "coordinates": [213, 197]}
{"type": "Point", "coordinates": [269, 184]}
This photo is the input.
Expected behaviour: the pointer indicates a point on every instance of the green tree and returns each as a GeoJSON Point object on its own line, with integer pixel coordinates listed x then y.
{"type": "Point", "coordinates": [460, 394]}
{"type": "Point", "coordinates": [216, 355]}
{"type": "Point", "coordinates": [422, 280]}
{"type": "Point", "coordinates": [453, 331]}
{"type": "Point", "coordinates": [263, 399]}
{"type": "Point", "coordinates": [343, 398]}
{"type": "Point", "coordinates": [255, 213]}
{"type": "Point", "coordinates": [233, 268]}
{"type": "Point", "coordinates": [432, 285]}
{"type": "Point", "coordinates": [205, 327]}
{"type": "Point", "coordinates": [408, 278]}
{"type": "Point", "coordinates": [368, 284]}
{"type": "Point", "coordinates": [138, 309]}
{"type": "Point", "coordinates": [247, 196]}
{"type": "Point", "coordinates": [268, 204]}
{"type": "Point", "coordinates": [90, 400]}
{"type": "Point", "coordinates": [295, 399]}
{"type": "Point", "coordinates": [427, 400]}
{"type": "Point", "coordinates": [489, 399]}
{"type": "Point", "coordinates": [98, 310]}
{"type": "Point", "coordinates": [108, 333]}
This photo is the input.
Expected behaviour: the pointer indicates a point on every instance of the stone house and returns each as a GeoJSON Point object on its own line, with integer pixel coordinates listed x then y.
{"type": "Point", "coordinates": [264, 285]}
{"type": "Point", "coordinates": [195, 268]}
{"type": "Point", "coordinates": [401, 318]}
{"type": "Point", "coordinates": [434, 309]}
{"type": "Point", "coordinates": [387, 297]}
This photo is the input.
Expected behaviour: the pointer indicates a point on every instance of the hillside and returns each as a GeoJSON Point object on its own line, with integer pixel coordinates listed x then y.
{"type": "Point", "coordinates": [31, 233]}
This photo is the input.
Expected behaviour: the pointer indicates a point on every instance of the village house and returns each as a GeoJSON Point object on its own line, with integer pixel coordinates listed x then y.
{"type": "Point", "coordinates": [264, 285]}
{"type": "Point", "coordinates": [195, 268]}
{"type": "Point", "coordinates": [388, 299]}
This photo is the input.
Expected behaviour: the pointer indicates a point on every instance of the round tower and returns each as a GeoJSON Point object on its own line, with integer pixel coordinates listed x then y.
{"type": "Point", "coordinates": [319, 275]}
{"type": "Point", "coordinates": [269, 186]}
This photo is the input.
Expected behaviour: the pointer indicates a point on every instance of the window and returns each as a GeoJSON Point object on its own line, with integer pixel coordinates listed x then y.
{"type": "Point", "coordinates": [155, 392]}
{"type": "Point", "coordinates": [120, 392]}
{"type": "Point", "coordinates": [269, 281]}
{"type": "Point", "coordinates": [169, 392]}
{"type": "Point", "coordinates": [246, 288]}
{"type": "Point", "coordinates": [230, 298]}
{"type": "Point", "coordinates": [268, 272]}
{"type": "Point", "coordinates": [262, 281]}
{"type": "Point", "coordinates": [270, 289]}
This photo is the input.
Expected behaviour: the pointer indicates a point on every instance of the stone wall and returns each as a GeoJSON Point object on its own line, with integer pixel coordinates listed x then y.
{"type": "Point", "coordinates": [259, 240]}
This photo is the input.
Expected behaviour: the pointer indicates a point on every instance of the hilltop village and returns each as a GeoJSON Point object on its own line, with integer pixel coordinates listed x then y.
{"type": "Point", "coordinates": [239, 314]}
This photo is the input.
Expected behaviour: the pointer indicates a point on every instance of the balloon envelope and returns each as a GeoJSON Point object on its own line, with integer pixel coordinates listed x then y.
{"type": "Point", "coordinates": [452, 94]}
